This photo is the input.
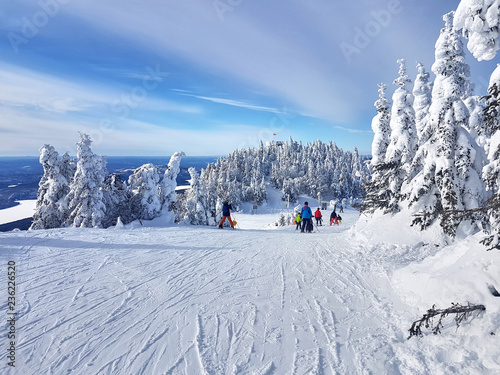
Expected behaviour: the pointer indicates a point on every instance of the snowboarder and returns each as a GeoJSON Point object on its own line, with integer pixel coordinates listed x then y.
{"type": "Point", "coordinates": [306, 215]}
{"type": "Point", "coordinates": [317, 215]}
{"type": "Point", "coordinates": [333, 218]}
{"type": "Point", "coordinates": [226, 214]}
{"type": "Point", "coordinates": [298, 221]}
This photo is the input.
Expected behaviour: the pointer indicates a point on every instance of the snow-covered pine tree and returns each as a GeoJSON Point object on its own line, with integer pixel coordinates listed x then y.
{"type": "Point", "coordinates": [197, 210]}
{"type": "Point", "coordinates": [449, 181]}
{"type": "Point", "coordinates": [145, 203]}
{"type": "Point", "coordinates": [491, 112]}
{"type": "Point", "coordinates": [85, 199]}
{"type": "Point", "coordinates": [381, 129]}
{"type": "Point", "coordinates": [167, 193]}
{"type": "Point", "coordinates": [403, 139]}
{"type": "Point", "coordinates": [67, 167]}
{"type": "Point", "coordinates": [491, 172]}
{"type": "Point", "coordinates": [422, 93]}
{"type": "Point", "coordinates": [479, 21]}
{"type": "Point", "coordinates": [50, 206]}
{"type": "Point", "coordinates": [376, 190]}
{"type": "Point", "coordinates": [116, 197]}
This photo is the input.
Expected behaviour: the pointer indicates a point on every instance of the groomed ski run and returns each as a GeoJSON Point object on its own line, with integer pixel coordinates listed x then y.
{"type": "Point", "coordinates": [260, 300]}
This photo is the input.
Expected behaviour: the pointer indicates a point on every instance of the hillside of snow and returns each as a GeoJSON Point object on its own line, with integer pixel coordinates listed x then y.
{"type": "Point", "coordinates": [256, 300]}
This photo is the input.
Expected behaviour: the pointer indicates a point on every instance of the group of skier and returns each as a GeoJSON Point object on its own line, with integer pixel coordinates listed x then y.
{"type": "Point", "coordinates": [303, 220]}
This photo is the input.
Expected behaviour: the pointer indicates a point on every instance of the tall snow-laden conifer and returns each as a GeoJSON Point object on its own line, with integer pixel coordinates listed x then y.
{"type": "Point", "coordinates": [116, 197]}
{"type": "Point", "coordinates": [422, 93]}
{"type": "Point", "coordinates": [145, 203]}
{"type": "Point", "coordinates": [449, 180]}
{"type": "Point", "coordinates": [381, 127]}
{"type": "Point", "coordinates": [85, 198]}
{"type": "Point", "coordinates": [491, 172]}
{"type": "Point", "coordinates": [403, 139]}
{"type": "Point", "coordinates": [197, 211]}
{"type": "Point", "coordinates": [168, 197]}
{"type": "Point", "coordinates": [479, 21]}
{"type": "Point", "coordinates": [53, 187]}
{"type": "Point", "coordinates": [376, 190]}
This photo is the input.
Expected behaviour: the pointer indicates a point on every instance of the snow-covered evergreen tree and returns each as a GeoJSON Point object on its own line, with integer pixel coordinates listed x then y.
{"type": "Point", "coordinates": [116, 198]}
{"type": "Point", "coordinates": [197, 210]}
{"type": "Point", "coordinates": [53, 187]}
{"type": "Point", "coordinates": [168, 197]}
{"type": "Point", "coordinates": [85, 198]}
{"type": "Point", "coordinates": [491, 112]}
{"type": "Point", "coordinates": [403, 139]}
{"type": "Point", "coordinates": [145, 202]}
{"type": "Point", "coordinates": [422, 93]}
{"type": "Point", "coordinates": [376, 196]}
{"type": "Point", "coordinates": [67, 167]}
{"type": "Point", "coordinates": [449, 180]}
{"type": "Point", "coordinates": [491, 172]}
{"type": "Point", "coordinates": [479, 21]}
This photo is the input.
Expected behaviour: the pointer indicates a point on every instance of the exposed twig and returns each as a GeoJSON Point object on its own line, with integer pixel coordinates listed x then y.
{"type": "Point", "coordinates": [462, 313]}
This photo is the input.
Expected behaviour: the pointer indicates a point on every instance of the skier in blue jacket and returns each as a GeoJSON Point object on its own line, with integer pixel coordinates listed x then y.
{"type": "Point", "coordinates": [306, 215]}
{"type": "Point", "coordinates": [226, 214]}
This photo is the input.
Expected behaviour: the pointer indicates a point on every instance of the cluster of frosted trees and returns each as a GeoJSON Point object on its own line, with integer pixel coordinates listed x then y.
{"type": "Point", "coordinates": [316, 169]}
{"type": "Point", "coordinates": [81, 193]}
{"type": "Point", "coordinates": [436, 149]}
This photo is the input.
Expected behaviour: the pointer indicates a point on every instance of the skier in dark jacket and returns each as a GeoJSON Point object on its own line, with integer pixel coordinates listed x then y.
{"type": "Point", "coordinates": [226, 214]}
{"type": "Point", "coordinates": [317, 215]}
{"type": "Point", "coordinates": [306, 215]}
{"type": "Point", "coordinates": [333, 218]}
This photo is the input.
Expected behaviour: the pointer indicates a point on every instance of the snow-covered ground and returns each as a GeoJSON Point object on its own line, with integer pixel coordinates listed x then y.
{"type": "Point", "coordinates": [25, 208]}
{"type": "Point", "coordinates": [255, 300]}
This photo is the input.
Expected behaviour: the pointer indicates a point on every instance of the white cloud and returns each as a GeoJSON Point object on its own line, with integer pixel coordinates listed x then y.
{"type": "Point", "coordinates": [235, 103]}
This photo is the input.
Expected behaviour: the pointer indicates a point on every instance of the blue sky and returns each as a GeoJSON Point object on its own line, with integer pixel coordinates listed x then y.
{"type": "Point", "coordinates": [205, 76]}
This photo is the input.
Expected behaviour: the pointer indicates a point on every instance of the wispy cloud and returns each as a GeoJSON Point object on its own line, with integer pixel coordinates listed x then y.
{"type": "Point", "coordinates": [235, 103]}
{"type": "Point", "coordinates": [351, 130]}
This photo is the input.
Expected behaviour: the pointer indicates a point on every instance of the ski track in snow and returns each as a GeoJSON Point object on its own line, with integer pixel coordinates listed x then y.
{"type": "Point", "coordinates": [191, 300]}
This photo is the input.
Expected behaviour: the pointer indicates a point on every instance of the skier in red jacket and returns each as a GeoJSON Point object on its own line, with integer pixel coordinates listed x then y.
{"type": "Point", "coordinates": [317, 215]}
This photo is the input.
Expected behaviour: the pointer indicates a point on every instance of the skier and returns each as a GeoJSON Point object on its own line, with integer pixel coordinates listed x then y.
{"type": "Point", "coordinates": [306, 215]}
{"type": "Point", "coordinates": [341, 209]}
{"type": "Point", "coordinates": [339, 219]}
{"type": "Point", "coordinates": [226, 214]}
{"type": "Point", "coordinates": [317, 215]}
{"type": "Point", "coordinates": [298, 220]}
{"type": "Point", "coordinates": [333, 218]}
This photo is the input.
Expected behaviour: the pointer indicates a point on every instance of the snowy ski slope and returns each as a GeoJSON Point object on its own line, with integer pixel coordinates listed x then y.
{"type": "Point", "coordinates": [199, 300]}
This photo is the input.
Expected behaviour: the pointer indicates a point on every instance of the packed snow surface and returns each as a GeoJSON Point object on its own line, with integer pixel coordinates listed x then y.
{"type": "Point", "coordinates": [255, 300]}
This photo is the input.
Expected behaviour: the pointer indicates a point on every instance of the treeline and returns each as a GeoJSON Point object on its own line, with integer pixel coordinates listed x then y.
{"type": "Point", "coordinates": [316, 169]}
{"type": "Point", "coordinates": [81, 192]}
